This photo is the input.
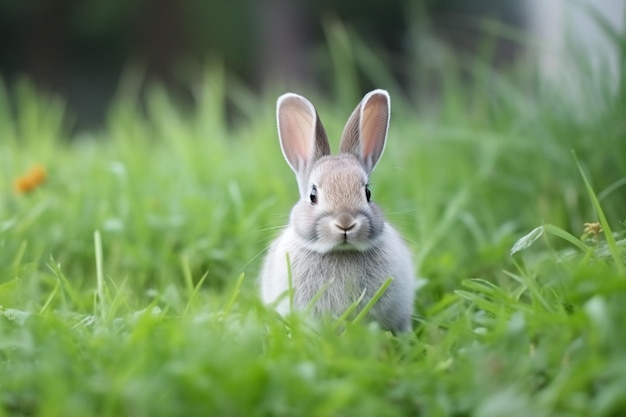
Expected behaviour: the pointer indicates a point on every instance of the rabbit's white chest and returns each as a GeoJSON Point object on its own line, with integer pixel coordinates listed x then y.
{"type": "Point", "coordinates": [337, 278]}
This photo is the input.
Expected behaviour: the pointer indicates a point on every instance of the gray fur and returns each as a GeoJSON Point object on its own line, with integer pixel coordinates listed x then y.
{"type": "Point", "coordinates": [343, 240]}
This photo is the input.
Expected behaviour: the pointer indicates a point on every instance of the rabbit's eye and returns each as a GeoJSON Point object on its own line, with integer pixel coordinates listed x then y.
{"type": "Point", "coordinates": [368, 193]}
{"type": "Point", "coordinates": [313, 195]}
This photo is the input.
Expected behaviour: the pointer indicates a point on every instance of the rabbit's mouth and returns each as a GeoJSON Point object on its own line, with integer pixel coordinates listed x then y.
{"type": "Point", "coordinates": [349, 242]}
{"type": "Point", "coordinates": [345, 238]}
{"type": "Point", "coordinates": [347, 232]}
{"type": "Point", "coordinates": [346, 246]}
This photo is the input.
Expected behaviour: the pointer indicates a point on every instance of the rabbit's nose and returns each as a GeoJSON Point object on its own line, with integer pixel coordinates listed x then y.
{"type": "Point", "coordinates": [345, 222]}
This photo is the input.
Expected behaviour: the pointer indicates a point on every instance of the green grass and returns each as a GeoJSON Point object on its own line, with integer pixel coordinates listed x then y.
{"type": "Point", "coordinates": [127, 279]}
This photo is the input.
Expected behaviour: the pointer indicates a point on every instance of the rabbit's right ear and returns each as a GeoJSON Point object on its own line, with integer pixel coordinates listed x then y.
{"type": "Point", "coordinates": [365, 133]}
{"type": "Point", "coordinates": [302, 136]}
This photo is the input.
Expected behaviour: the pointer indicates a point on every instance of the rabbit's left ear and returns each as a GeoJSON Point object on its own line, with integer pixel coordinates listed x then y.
{"type": "Point", "coordinates": [365, 133]}
{"type": "Point", "coordinates": [301, 133]}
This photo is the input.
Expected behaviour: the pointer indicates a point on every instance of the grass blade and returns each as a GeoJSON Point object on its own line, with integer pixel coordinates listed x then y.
{"type": "Point", "coordinates": [342, 319]}
{"type": "Point", "coordinates": [608, 234]}
{"type": "Point", "coordinates": [372, 301]}
{"type": "Point", "coordinates": [527, 240]}
{"type": "Point", "coordinates": [557, 231]}
{"type": "Point", "coordinates": [195, 291]}
{"type": "Point", "coordinates": [289, 282]}
{"type": "Point", "coordinates": [317, 296]}
{"type": "Point", "coordinates": [99, 271]}
{"type": "Point", "coordinates": [65, 283]}
{"type": "Point", "coordinates": [54, 292]}
{"type": "Point", "coordinates": [233, 296]}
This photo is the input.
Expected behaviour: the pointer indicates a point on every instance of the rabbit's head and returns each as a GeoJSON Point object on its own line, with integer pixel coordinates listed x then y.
{"type": "Point", "coordinates": [335, 211]}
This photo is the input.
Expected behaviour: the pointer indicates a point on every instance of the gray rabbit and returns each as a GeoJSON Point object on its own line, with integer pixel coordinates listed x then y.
{"type": "Point", "coordinates": [336, 236]}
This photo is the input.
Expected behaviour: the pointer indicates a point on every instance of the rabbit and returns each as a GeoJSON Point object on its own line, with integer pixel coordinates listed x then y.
{"type": "Point", "coordinates": [336, 236]}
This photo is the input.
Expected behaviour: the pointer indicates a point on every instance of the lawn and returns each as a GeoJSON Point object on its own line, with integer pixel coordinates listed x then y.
{"type": "Point", "coordinates": [128, 261]}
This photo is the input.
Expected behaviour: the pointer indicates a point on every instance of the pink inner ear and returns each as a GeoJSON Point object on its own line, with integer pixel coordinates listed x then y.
{"type": "Point", "coordinates": [374, 120]}
{"type": "Point", "coordinates": [297, 127]}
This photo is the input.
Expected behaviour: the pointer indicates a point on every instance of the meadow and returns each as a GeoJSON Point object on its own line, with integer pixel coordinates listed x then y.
{"type": "Point", "coordinates": [129, 254]}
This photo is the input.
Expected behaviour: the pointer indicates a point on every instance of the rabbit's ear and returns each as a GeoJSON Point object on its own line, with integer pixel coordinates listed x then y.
{"type": "Point", "coordinates": [302, 136]}
{"type": "Point", "coordinates": [365, 133]}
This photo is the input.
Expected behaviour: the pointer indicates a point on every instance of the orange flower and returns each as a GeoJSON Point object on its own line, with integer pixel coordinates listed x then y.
{"type": "Point", "coordinates": [31, 180]}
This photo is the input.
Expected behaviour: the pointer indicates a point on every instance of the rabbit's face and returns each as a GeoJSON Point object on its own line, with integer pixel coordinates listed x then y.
{"type": "Point", "coordinates": [335, 211]}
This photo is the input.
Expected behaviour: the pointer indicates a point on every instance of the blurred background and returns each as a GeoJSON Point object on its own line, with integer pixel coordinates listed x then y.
{"type": "Point", "coordinates": [80, 49]}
